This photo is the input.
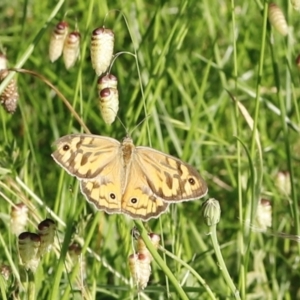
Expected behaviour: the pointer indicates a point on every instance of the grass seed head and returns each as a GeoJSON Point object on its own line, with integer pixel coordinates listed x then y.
{"type": "Point", "coordinates": [29, 244]}
{"type": "Point", "coordinates": [140, 269]}
{"type": "Point", "coordinates": [107, 81]}
{"type": "Point", "coordinates": [71, 49]}
{"type": "Point", "coordinates": [263, 218]}
{"type": "Point", "coordinates": [277, 19]}
{"type": "Point", "coordinates": [18, 218]}
{"type": "Point", "coordinates": [296, 4]}
{"type": "Point", "coordinates": [283, 182]}
{"type": "Point", "coordinates": [74, 251]}
{"type": "Point", "coordinates": [102, 47]}
{"type": "Point", "coordinates": [109, 104]}
{"type": "Point", "coordinates": [5, 271]}
{"type": "Point", "coordinates": [57, 40]}
{"type": "Point", "coordinates": [46, 231]}
{"type": "Point", "coordinates": [3, 61]}
{"type": "Point", "coordinates": [10, 96]}
{"type": "Point", "coordinates": [142, 248]}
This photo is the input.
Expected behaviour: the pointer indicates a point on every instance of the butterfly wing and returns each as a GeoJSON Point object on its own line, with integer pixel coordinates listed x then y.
{"type": "Point", "coordinates": [138, 200]}
{"type": "Point", "coordinates": [140, 182]}
{"type": "Point", "coordinates": [104, 192]}
{"type": "Point", "coordinates": [95, 161]}
{"type": "Point", "coordinates": [168, 177]}
{"type": "Point", "coordinates": [85, 155]}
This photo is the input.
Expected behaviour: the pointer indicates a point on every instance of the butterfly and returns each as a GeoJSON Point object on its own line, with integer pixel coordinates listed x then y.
{"type": "Point", "coordinates": [117, 177]}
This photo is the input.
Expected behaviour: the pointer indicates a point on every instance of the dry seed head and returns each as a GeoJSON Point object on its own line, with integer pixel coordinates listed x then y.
{"type": "Point", "coordinates": [277, 19]}
{"type": "Point", "coordinates": [155, 239]}
{"type": "Point", "coordinates": [10, 96]}
{"type": "Point", "coordinates": [133, 266]}
{"type": "Point", "coordinates": [107, 81]}
{"type": "Point", "coordinates": [295, 4]}
{"type": "Point", "coordinates": [283, 182]}
{"type": "Point", "coordinates": [46, 231]}
{"type": "Point", "coordinates": [263, 218]}
{"type": "Point", "coordinates": [140, 269]}
{"type": "Point", "coordinates": [109, 104]}
{"type": "Point", "coordinates": [142, 248]}
{"type": "Point", "coordinates": [102, 47]}
{"type": "Point", "coordinates": [74, 251]}
{"type": "Point", "coordinates": [3, 61]}
{"type": "Point", "coordinates": [18, 218]}
{"type": "Point", "coordinates": [5, 271]}
{"type": "Point", "coordinates": [71, 49]}
{"type": "Point", "coordinates": [144, 270]}
{"type": "Point", "coordinates": [29, 244]}
{"type": "Point", "coordinates": [57, 40]}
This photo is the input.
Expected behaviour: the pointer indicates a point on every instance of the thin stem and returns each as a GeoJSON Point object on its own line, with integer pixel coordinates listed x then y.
{"type": "Point", "coordinates": [223, 268]}
{"type": "Point", "coordinates": [160, 261]}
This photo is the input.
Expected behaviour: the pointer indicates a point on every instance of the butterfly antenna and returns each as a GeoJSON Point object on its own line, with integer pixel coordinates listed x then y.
{"type": "Point", "coordinates": [126, 130]}
{"type": "Point", "coordinates": [143, 120]}
{"type": "Point", "coordinates": [129, 133]}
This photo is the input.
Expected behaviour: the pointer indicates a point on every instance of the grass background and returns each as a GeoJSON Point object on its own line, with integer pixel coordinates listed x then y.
{"type": "Point", "coordinates": [193, 58]}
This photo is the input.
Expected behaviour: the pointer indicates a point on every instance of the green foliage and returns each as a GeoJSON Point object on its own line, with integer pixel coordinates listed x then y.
{"type": "Point", "coordinates": [210, 82]}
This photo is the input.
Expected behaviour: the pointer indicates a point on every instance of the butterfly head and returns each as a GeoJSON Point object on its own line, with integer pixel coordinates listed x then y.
{"type": "Point", "coordinates": [127, 149]}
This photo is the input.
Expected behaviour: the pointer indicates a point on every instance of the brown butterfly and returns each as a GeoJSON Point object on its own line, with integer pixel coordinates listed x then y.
{"type": "Point", "coordinates": [121, 178]}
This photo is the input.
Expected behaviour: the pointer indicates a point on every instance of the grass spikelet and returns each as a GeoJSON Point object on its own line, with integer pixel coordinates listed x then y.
{"type": "Point", "coordinates": [57, 40]}
{"type": "Point", "coordinates": [277, 19]}
{"type": "Point", "coordinates": [71, 49]}
{"type": "Point", "coordinates": [102, 47]}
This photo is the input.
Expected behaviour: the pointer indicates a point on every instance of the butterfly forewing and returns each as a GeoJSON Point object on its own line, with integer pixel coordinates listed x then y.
{"type": "Point", "coordinates": [168, 177]}
{"type": "Point", "coordinates": [85, 156]}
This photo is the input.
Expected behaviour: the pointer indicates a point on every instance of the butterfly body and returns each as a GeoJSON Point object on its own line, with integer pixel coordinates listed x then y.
{"type": "Point", "coordinates": [121, 178]}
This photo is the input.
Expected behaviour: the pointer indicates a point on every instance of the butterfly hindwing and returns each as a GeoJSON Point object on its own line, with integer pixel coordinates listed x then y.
{"type": "Point", "coordinates": [141, 206]}
{"type": "Point", "coordinates": [138, 200]}
{"type": "Point", "coordinates": [103, 193]}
